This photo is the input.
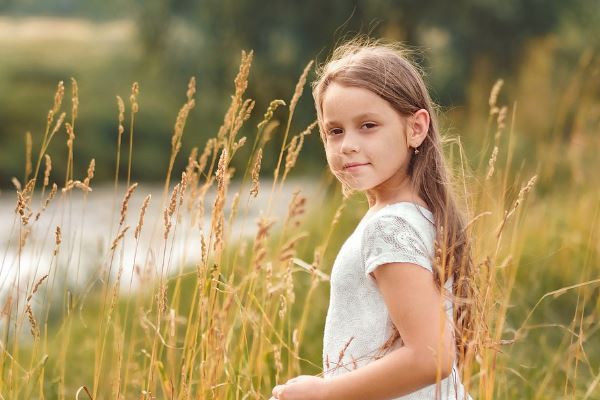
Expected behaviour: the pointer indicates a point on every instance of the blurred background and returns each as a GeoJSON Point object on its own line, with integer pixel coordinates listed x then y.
{"type": "Point", "coordinates": [546, 52]}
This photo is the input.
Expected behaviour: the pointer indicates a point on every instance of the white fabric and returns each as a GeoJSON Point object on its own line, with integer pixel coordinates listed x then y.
{"type": "Point", "coordinates": [358, 327]}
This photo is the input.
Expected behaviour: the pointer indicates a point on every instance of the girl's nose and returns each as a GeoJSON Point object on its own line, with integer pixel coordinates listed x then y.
{"type": "Point", "coordinates": [349, 144]}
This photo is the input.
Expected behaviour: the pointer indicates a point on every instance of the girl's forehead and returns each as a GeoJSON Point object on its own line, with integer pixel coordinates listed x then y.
{"type": "Point", "coordinates": [341, 94]}
{"type": "Point", "coordinates": [352, 100]}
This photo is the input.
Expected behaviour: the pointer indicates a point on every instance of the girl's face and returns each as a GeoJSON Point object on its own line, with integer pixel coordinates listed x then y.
{"type": "Point", "coordinates": [366, 143]}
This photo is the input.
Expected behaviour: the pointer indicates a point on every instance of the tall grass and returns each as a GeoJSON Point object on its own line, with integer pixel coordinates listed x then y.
{"type": "Point", "coordinates": [249, 314]}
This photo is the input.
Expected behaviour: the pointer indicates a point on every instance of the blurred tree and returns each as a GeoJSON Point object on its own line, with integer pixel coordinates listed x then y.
{"type": "Point", "coordinates": [468, 44]}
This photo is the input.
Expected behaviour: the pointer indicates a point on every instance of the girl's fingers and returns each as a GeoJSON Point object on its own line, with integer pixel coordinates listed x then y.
{"type": "Point", "coordinates": [277, 391]}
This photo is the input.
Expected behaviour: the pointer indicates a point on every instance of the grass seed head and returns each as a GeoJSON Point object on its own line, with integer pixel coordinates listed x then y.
{"type": "Point", "coordinates": [135, 91]}
{"type": "Point", "coordinates": [70, 136]}
{"type": "Point", "coordinates": [169, 210]}
{"type": "Point", "coordinates": [58, 97]}
{"type": "Point", "coordinates": [121, 106]}
{"type": "Point", "coordinates": [294, 149]}
{"type": "Point", "coordinates": [256, 174]}
{"type": "Point", "coordinates": [57, 239]}
{"type": "Point", "coordinates": [74, 99]}
{"type": "Point", "coordinates": [492, 163]}
{"type": "Point", "coordinates": [191, 89]}
{"type": "Point", "coordinates": [264, 225]}
{"type": "Point", "coordinates": [138, 228]}
{"type": "Point", "coordinates": [161, 298]}
{"type": "Point", "coordinates": [273, 105]}
{"type": "Point", "coordinates": [125, 202]}
{"type": "Point", "coordinates": [36, 287]}
{"type": "Point", "coordinates": [118, 238]}
{"type": "Point", "coordinates": [90, 172]}
{"type": "Point", "coordinates": [300, 87]}
{"type": "Point", "coordinates": [47, 169]}
{"type": "Point", "coordinates": [222, 177]}
{"type": "Point", "coordinates": [58, 124]}
{"type": "Point", "coordinates": [35, 331]}
{"type": "Point", "coordinates": [494, 96]}
{"type": "Point", "coordinates": [241, 80]}
{"type": "Point", "coordinates": [501, 121]}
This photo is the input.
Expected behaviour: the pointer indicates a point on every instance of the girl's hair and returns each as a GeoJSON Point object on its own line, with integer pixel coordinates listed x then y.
{"type": "Point", "coordinates": [385, 69]}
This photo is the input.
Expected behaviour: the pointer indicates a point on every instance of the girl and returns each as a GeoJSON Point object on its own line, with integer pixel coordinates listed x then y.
{"type": "Point", "coordinates": [390, 330]}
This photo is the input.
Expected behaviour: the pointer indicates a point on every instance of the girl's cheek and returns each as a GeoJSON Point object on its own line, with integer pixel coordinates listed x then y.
{"type": "Point", "coordinates": [333, 159]}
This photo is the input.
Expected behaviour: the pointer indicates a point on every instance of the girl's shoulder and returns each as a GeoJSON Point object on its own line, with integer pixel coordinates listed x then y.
{"type": "Point", "coordinates": [398, 232]}
{"type": "Point", "coordinates": [398, 220]}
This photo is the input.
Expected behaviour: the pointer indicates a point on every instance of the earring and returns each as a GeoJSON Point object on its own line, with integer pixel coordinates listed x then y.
{"type": "Point", "coordinates": [417, 150]}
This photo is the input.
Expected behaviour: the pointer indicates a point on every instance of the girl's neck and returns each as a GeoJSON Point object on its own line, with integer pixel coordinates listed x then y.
{"type": "Point", "coordinates": [381, 196]}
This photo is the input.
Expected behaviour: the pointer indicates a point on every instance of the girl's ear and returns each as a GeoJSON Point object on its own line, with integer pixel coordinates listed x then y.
{"type": "Point", "coordinates": [418, 126]}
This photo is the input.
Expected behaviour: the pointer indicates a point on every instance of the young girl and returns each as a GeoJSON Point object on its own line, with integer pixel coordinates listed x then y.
{"type": "Point", "coordinates": [390, 331]}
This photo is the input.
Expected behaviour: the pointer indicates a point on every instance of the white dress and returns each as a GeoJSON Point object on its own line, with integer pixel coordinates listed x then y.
{"type": "Point", "coordinates": [358, 327]}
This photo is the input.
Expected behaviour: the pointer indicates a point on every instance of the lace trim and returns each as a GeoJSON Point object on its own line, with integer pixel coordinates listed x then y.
{"type": "Point", "coordinates": [391, 238]}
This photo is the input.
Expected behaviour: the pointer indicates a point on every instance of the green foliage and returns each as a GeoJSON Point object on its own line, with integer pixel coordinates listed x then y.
{"type": "Point", "coordinates": [465, 44]}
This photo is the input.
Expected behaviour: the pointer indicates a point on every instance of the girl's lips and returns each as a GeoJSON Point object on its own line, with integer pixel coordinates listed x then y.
{"type": "Point", "coordinates": [355, 166]}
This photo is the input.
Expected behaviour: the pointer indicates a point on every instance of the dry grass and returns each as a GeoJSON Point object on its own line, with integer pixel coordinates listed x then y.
{"type": "Point", "coordinates": [236, 323]}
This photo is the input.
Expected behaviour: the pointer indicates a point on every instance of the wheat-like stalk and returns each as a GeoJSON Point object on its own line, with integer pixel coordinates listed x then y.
{"type": "Point", "coordinates": [47, 169]}
{"type": "Point", "coordinates": [57, 240]}
{"type": "Point", "coordinates": [169, 211]}
{"type": "Point", "coordinates": [28, 146]}
{"type": "Point", "coordinates": [179, 127]}
{"type": "Point", "coordinates": [138, 228]}
{"type": "Point", "coordinates": [256, 174]}
{"type": "Point", "coordinates": [492, 163]}
{"type": "Point", "coordinates": [295, 98]}
{"type": "Point", "coordinates": [133, 100]}
{"type": "Point", "coordinates": [294, 150]}
{"type": "Point", "coordinates": [241, 84]}
{"type": "Point", "coordinates": [273, 105]}
{"type": "Point", "coordinates": [74, 100]}
{"type": "Point", "coordinates": [494, 96]}
{"type": "Point", "coordinates": [118, 238]}
{"type": "Point", "coordinates": [259, 250]}
{"type": "Point", "coordinates": [35, 331]}
{"type": "Point", "coordinates": [217, 221]}
{"type": "Point", "coordinates": [90, 172]}
{"type": "Point", "coordinates": [522, 193]}
{"type": "Point", "coordinates": [125, 203]}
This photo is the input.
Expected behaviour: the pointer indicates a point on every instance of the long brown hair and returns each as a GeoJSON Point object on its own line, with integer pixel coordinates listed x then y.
{"type": "Point", "coordinates": [386, 70]}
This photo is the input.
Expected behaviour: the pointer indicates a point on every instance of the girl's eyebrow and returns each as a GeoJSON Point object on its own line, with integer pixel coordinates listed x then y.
{"type": "Point", "coordinates": [361, 116]}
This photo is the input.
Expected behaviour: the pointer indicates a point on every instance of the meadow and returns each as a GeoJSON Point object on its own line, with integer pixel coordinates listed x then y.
{"type": "Point", "coordinates": [250, 312]}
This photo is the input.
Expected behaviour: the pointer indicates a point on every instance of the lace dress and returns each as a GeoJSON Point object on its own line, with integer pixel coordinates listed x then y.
{"type": "Point", "coordinates": [358, 327]}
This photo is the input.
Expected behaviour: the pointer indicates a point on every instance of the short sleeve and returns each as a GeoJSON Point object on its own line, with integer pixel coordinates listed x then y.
{"type": "Point", "coordinates": [391, 238]}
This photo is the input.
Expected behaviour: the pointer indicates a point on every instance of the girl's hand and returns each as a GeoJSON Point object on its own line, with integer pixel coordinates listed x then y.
{"type": "Point", "coordinates": [303, 387]}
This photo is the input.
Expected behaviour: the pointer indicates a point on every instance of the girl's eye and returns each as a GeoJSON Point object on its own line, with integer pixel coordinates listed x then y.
{"type": "Point", "coordinates": [335, 131]}
{"type": "Point", "coordinates": [369, 125]}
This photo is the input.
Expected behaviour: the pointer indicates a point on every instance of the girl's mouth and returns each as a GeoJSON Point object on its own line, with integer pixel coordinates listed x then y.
{"type": "Point", "coordinates": [354, 166]}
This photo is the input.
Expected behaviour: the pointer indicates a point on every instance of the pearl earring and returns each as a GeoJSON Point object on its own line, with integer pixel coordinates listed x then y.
{"type": "Point", "coordinates": [417, 150]}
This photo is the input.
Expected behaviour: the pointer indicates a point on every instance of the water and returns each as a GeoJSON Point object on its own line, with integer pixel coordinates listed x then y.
{"type": "Point", "coordinates": [89, 227]}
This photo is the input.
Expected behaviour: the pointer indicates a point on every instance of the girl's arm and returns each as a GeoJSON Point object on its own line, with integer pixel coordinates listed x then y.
{"type": "Point", "coordinates": [416, 308]}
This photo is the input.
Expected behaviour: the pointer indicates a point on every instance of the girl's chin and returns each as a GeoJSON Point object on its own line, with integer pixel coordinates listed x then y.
{"type": "Point", "coordinates": [358, 187]}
